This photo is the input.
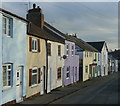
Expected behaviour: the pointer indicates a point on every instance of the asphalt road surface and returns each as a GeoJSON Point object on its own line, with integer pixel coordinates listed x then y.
{"type": "Point", "coordinates": [105, 92]}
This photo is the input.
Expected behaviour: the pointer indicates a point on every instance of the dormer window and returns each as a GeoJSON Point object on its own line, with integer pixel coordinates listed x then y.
{"type": "Point", "coordinates": [7, 25]}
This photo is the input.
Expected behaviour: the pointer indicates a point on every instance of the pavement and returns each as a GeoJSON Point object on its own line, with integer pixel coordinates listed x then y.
{"type": "Point", "coordinates": [64, 91]}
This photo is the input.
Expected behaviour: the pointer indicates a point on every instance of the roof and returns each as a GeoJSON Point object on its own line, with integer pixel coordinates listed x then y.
{"type": "Point", "coordinates": [7, 12]}
{"type": "Point", "coordinates": [98, 45]}
{"type": "Point", "coordinates": [115, 54]}
{"type": "Point", "coordinates": [44, 33]}
{"type": "Point", "coordinates": [82, 44]}
{"type": "Point", "coordinates": [36, 31]}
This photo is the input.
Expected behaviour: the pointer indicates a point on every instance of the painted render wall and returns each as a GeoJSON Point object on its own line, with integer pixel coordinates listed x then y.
{"type": "Point", "coordinates": [34, 60]}
{"type": "Point", "coordinates": [0, 59]}
{"type": "Point", "coordinates": [14, 52]}
{"type": "Point", "coordinates": [104, 61]}
{"type": "Point", "coordinates": [54, 62]}
{"type": "Point", "coordinates": [72, 61]}
{"type": "Point", "coordinates": [86, 62]}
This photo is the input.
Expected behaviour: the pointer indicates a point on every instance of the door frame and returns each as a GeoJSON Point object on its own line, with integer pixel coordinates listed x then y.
{"type": "Point", "coordinates": [19, 99]}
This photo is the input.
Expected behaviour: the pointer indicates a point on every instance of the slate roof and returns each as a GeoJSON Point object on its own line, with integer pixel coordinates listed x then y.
{"type": "Point", "coordinates": [115, 54]}
{"type": "Point", "coordinates": [79, 42]}
{"type": "Point", "coordinates": [98, 45]}
{"type": "Point", "coordinates": [36, 31]}
{"type": "Point", "coordinates": [44, 33]}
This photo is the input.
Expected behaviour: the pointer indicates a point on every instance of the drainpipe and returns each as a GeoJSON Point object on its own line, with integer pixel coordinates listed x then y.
{"type": "Point", "coordinates": [1, 57]}
{"type": "Point", "coordinates": [46, 77]}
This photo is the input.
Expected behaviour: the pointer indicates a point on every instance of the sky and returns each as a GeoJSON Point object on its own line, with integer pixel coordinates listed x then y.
{"type": "Point", "coordinates": [91, 21]}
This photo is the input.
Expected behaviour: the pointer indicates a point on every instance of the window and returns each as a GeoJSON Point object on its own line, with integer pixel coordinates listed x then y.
{"type": "Point", "coordinates": [34, 76]}
{"type": "Point", "coordinates": [67, 49]}
{"type": "Point", "coordinates": [86, 69]}
{"type": "Point", "coordinates": [59, 73]}
{"type": "Point", "coordinates": [49, 49]}
{"type": "Point", "coordinates": [34, 45]}
{"type": "Point", "coordinates": [87, 54]}
{"type": "Point", "coordinates": [72, 50]}
{"type": "Point", "coordinates": [7, 75]}
{"type": "Point", "coordinates": [95, 57]}
{"type": "Point", "coordinates": [68, 72]}
{"type": "Point", "coordinates": [98, 57]}
{"type": "Point", "coordinates": [59, 50]}
{"type": "Point", "coordinates": [7, 25]}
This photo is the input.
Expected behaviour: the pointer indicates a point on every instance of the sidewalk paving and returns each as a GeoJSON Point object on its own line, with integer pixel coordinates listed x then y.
{"type": "Point", "coordinates": [63, 91]}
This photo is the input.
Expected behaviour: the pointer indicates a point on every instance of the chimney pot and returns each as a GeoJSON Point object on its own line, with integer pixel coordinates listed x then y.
{"type": "Point", "coordinates": [34, 5]}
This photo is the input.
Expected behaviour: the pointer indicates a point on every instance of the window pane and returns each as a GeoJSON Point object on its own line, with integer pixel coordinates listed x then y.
{"type": "Point", "coordinates": [34, 79]}
{"type": "Point", "coordinates": [32, 44]}
{"type": "Point", "coordinates": [34, 71]}
{"type": "Point", "coordinates": [4, 76]}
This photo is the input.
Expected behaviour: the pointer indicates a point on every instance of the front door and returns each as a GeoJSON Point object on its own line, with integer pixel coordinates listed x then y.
{"type": "Point", "coordinates": [19, 72]}
{"type": "Point", "coordinates": [42, 80]}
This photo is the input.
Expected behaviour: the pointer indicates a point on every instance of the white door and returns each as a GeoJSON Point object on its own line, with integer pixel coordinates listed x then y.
{"type": "Point", "coordinates": [42, 81]}
{"type": "Point", "coordinates": [19, 84]}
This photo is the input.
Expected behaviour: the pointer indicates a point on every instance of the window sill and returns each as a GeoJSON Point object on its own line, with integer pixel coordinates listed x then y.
{"type": "Point", "coordinates": [35, 85]}
{"type": "Point", "coordinates": [34, 51]}
{"type": "Point", "coordinates": [67, 78]}
{"type": "Point", "coordinates": [6, 88]}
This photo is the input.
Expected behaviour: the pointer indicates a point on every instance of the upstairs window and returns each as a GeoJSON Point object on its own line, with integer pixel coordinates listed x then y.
{"type": "Point", "coordinates": [67, 49]}
{"type": "Point", "coordinates": [7, 25]}
{"type": "Point", "coordinates": [49, 49]}
{"type": "Point", "coordinates": [72, 50]}
{"type": "Point", "coordinates": [59, 50]}
{"type": "Point", "coordinates": [7, 75]}
{"type": "Point", "coordinates": [34, 44]}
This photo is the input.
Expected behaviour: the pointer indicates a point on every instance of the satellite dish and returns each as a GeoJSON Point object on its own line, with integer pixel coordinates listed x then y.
{"type": "Point", "coordinates": [64, 56]}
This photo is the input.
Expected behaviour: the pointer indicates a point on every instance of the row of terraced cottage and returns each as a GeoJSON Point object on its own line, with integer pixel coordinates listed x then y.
{"type": "Point", "coordinates": [36, 58]}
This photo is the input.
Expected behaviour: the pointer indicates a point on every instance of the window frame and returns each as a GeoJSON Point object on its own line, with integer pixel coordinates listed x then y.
{"type": "Point", "coordinates": [86, 67]}
{"type": "Point", "coordinates": [8, 27]}
{"type": "Point", "coordinates": [59, 71]}
{"type": "Point", "coordinates": [67, 50]}
{"type": "Point", "coordinates": [49, 49]}
{"type": "Point", "coordinates": [72, 50]}
{"type": "Point", "coordinates": [35, 68]}
{"type": "Point", "coordinates": [68, 72]}
{"type": "Point", "coordinates": [59, 50]}
{"type": "Point", "coordinates": [7, 76]}
{"type": "Point", "coordinates": [34, 45]}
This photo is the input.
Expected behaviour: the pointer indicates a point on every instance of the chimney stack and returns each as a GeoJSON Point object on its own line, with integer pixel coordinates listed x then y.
{"type": "Point", "coordinates": [35, 16]}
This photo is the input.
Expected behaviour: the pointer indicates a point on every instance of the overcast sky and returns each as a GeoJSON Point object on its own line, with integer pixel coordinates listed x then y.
{"type": "Point", "coordinates": [92, 21]}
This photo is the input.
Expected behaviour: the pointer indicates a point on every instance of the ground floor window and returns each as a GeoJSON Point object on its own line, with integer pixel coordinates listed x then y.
{"type": "Point", "coordinates": [7, 75]}
{"type": "Point", "coordinates": [34, 76]}
{"type": "Point", "coordinates": [59, 73]}
{"type": "Point", "coordinates": [68, 72]}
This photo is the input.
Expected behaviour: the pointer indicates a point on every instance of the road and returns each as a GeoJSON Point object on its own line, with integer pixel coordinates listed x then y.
{"type": "Point", "coordinates": [105, 92]}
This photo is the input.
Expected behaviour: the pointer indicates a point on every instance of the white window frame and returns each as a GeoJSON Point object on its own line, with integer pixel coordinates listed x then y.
{"type": "Point", "coordinates": [86, 67]}
{"type": "Point", "coordinates": [7, 71]}
{"type": "Point", "coordinates": [67, 49]}
{"type": "Point", "coordinates": [7, 26]}
{"type": "Point", "coordinates": [72, 50]}
{"type": "Point", "coordinates": [34, 49]}
{"type": "Point", "coordinates": [35, 68]}
{"type": "Point", "coordinates": [68, 72]}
